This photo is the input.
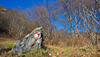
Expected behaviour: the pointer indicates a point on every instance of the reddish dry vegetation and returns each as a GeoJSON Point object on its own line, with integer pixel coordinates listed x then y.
{"type": "Point", "coordinates": [59, 48]}
{"type": "Point", "coordinates": [78, 42]}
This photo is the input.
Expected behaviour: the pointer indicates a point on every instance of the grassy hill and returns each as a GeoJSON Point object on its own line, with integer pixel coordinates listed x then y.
{"type": "Point", "coordinates": [48, 50]}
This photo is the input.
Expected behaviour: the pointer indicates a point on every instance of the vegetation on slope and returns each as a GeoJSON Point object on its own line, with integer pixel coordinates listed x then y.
{"type": "Point", "coordinates": [51, 51]}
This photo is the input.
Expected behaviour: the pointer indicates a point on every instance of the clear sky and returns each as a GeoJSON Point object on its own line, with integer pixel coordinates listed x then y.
{"type": "Point", "coordinates": [23, 4]}
{"type": "Point", "coordinates": [20, 3]}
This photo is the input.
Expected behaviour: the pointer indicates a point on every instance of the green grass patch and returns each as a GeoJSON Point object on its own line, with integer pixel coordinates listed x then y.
{"type": "Point", "coordinates": [8, 44]}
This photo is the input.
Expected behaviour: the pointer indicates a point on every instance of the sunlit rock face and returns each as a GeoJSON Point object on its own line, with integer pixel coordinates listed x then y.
{"type": "Point", "coordinates": [31, 42]}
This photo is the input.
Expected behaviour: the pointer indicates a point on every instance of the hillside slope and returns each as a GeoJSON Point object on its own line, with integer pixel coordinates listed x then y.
{"type": "Point", "coordinates": [49, 50]}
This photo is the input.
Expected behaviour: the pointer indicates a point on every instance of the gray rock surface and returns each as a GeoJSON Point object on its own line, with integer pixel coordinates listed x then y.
{"type": "Point", "coordinates": [29, 42]}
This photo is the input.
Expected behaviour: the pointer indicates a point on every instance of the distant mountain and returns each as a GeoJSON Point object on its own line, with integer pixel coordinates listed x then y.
{"type": "Point", "coordinates": [3, 10]}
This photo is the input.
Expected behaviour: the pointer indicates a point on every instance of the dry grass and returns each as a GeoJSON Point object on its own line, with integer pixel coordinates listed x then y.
{"type": "Point", "coordinates": [76, 42]}
{"type": "Point", "coordinates": [60, 49]}
{"type": "Point", "coordinates": [55, 51]}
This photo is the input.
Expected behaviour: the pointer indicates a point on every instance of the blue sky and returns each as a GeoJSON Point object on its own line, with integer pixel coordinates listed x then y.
{"type": "Point", "coordinates": [23, 4]}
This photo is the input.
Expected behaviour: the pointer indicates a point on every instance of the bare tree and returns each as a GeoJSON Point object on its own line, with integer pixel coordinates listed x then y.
{"type": "Point", "coordinates": [65, 14]}
{"type": "Point", "coordinates": [16, 23]}
{"type": "Point", "coordinates": [91, 24]}
{"type": "Point", "coordinates": [42, 17]}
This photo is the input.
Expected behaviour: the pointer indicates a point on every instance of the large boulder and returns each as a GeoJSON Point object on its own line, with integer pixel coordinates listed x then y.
{"type": "Point", "coordinates": [31, 42]}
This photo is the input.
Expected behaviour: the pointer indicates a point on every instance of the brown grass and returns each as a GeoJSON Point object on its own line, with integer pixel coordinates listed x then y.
{"type": "Point", "coordinates": [77, 41]}
{"type": "Point", "coordinates": [60, 48]}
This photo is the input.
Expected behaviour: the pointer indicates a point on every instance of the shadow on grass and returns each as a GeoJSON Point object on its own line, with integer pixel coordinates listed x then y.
{"type": "Point", "coordinates": [3, 50]}
{"type": "Point", "coordinates": [44, 47]}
